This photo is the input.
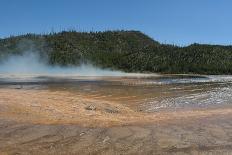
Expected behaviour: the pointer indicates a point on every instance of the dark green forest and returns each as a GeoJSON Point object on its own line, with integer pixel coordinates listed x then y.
{"type": "Point", "coordinates": [130, 51]}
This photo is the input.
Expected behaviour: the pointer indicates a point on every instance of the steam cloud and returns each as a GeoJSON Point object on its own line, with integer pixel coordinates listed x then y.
{"type": "Point", "coordinates": [29, 63]}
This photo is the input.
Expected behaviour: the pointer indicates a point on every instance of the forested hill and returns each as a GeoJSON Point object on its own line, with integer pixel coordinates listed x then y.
{"type": "Point", "coordinates": [130, 51]}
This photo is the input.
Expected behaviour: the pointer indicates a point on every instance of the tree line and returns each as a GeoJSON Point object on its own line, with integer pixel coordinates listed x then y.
{"type": "Point", "coordinates": [130, 51]}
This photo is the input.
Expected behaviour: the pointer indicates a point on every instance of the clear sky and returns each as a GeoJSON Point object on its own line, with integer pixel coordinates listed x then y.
{"type": "Point", "coordinates": [169, 21]}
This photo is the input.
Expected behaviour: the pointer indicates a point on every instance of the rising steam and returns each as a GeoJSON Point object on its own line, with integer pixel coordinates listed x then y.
{"type": "Point", "coordinates": [29, 63]}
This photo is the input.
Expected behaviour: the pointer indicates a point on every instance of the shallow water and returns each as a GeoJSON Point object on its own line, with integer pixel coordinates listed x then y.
{"type": "Point", "coordinates": [142, 93]}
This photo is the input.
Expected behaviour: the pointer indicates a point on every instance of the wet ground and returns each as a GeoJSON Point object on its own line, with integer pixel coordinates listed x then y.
{"type": "Point", "coordinates": [137, 114]}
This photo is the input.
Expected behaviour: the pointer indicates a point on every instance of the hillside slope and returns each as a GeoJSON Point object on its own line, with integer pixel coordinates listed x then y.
{"type": "Point", "coordinates": [130, 51]}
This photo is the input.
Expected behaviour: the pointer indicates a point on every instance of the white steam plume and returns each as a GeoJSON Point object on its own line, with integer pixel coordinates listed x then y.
{"type": "Point", "coordinates": [29, 63]}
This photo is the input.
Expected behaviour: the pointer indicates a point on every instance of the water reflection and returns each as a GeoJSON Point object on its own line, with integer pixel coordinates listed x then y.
{"type": "Point", "coordinates": [146, 94]}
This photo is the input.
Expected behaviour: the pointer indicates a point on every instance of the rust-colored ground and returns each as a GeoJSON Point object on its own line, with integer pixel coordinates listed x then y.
{"type": "Point", "coordinates": [62, 107]}
{"type": "Point", "coordinates": [107, 120]}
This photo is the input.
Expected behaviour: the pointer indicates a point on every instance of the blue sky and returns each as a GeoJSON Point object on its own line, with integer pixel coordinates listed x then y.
{"type": "Point", "coordinates": [170, 21]}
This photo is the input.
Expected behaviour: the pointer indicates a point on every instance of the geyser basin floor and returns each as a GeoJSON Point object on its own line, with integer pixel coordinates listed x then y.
{"type": "Point", "coordinates": [61, 107]}
{"type": "Point", "coordinates": [50, 115]}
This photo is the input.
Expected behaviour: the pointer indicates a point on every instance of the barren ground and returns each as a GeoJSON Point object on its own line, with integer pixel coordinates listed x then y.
{"type": "Point", "coordinates": [57, 121]}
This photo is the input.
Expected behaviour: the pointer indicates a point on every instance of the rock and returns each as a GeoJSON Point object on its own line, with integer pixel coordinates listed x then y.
{"type": "Point", "coordinates": [90, 107]}
{"type": "Point", "coordinates": [106, 139]}
{"type": "Point", "coordinates": [82, 133]}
